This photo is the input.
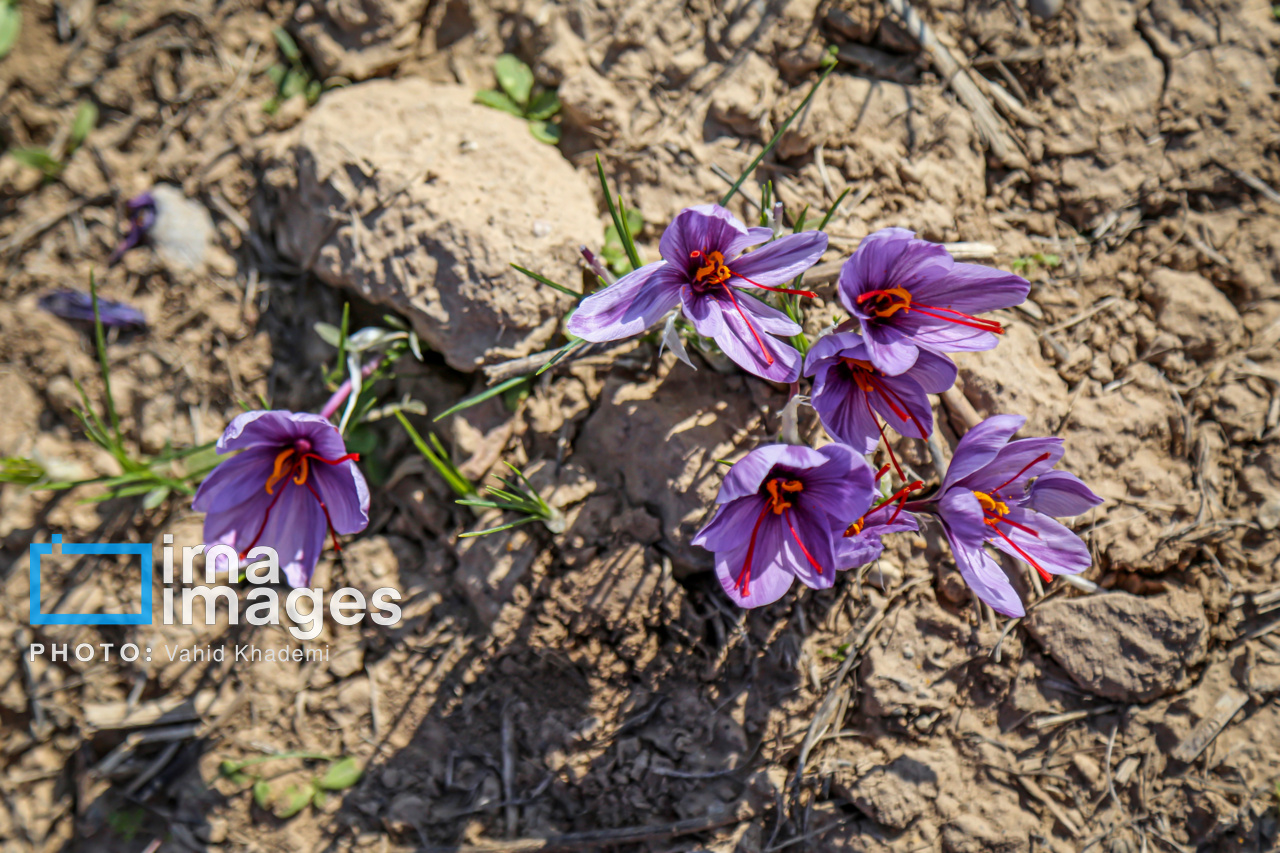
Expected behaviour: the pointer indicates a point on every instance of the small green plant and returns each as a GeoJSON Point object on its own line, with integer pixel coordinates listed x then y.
{"type": "Point", "coordinates": [341, 773]}
{"type": "Point", "coordinates": [86, 119]}
{"type": "Point", "coordinates": [10, 25]}
{"type": "Point", "coordinates": [293, 78]}
{"type": "Point", "coordinates": [520, 497]}
{"type": "Point", "coordinates": [1030, 263]}
{"type": "Point", "coordinates": [517, 94]}
{"type": "Point", "coordinates": [154, 477]}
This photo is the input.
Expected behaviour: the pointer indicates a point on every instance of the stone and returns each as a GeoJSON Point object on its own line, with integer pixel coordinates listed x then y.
{"type": "Point", "coordinates": [658, 441]}
{"type": "Point", "coordinates": [1189, 306]}
{"type": "Point", "coordinates": [1125, 647]}
{"type": "Point", "coordinates": [183, 229]}
{"type": "Point", "coordinates": [421, 200]}
{"type": "Point", "coordinates": [895, 794]}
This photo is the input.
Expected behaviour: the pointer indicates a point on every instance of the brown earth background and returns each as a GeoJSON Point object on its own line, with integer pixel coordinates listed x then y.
{"type": "Point", "coordinates": [594, 689]}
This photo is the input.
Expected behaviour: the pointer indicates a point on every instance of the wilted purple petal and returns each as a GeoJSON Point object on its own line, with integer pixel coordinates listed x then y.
{"type": "Point", "coordinates": [78, 306]}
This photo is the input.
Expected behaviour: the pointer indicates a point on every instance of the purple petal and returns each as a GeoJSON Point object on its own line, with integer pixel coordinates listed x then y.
{"type": "Point", "coordinates": [941, 337]}
{"type": "Point", "coordinates": [1015, 464]}
{"type": "Point", "coordinates": [844, 410]}
{"type": "Point", "coordinates": [1061, 494]}
{"type": "Point", "coordinates": [280, 429]}
{"type": "Point", "coordinates": [764, 317]}
{"type": "Point", "coordinates": [1055, 548]}
{"type": "Point", "coordinates": [732, 524]}
{"type": "Point", "coordinates": [888, 348]}
{"type": "Point", "coordinates": [844, 487]}
{"type": "Point", "coordinates": [704, 311]}
{"type": "Point", "coordinates": [747, 349]}
{"type": "Point", "coordinates": [987, 580]}
{"type": "Point", "coordinates": [963, 518]}
{"type": "Point", "coordinates": [832, 346]}
{"type": "Point", "coordinates": [345, 494]}
{"type": "Point", "coordinates": [777, 263]}
{"type": "Point", "coordinates": [754, 236]}
{"type": "Point", "coordinates": [973, 289]}
{"type": "Point", "coordinates": [935, 373]}
{"type": "Point", "coordinates": [628, 306]}
{"type": "Point", "coordinates": [901, 395]}
{"type": "Point", "coordinates": [891, 257]}
{"type": "Point", "coordinates": [858, 550]}
{"type": "Point", "coordinates": [748, 473]}
{"type": "Point", "coordinates": [704, 228]}
{"type": "Point", "coordinates": [808, 540]}
{"type": "Point", "coordinates": [235, 480]}
{"type": "Point", "coordinates": [768, 578]}
{"type": "Point", "coordinates": [980, 445]}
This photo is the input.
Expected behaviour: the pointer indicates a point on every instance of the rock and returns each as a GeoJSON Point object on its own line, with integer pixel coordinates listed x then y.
{"type": "Point", "coordinates": [347, 662]}
{"type": "Point", "coordinates": [406, 813]}
{"type": "Point", "coordinates": [969, 833]}
{"type": "Point", "coordinates": [658, 441]}
{"type": "Point", "coordinates": [358, 39]}
{"type": "Point", "coordinates": [1189, 306]}
{"type": "Point", "coordinates": [182, 231]}
{"type": "Point", "coordinates": [1124, 647]}
{"type": "Point", "coordinates": [742, 100]}
{"type": "Point", "coordinates": [449, 194]}
{"type": "Point", "coordinates": [895, 794]}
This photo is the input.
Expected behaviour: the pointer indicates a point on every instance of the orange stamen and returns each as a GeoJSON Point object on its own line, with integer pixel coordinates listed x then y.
{"type": "Point", "coordinates": [278, 472]}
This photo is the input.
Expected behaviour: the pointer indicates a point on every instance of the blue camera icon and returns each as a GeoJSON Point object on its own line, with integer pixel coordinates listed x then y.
{"type": "Point", "coordinates": [38, 550]}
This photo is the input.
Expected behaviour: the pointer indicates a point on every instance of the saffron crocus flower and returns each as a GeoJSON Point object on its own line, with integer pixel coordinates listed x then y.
{"type": "Point", "coordinates": [849, 391]}
{"type": "Point", "coordinates": [1003, 492]}
{"type": "Point", "coordinates": [292, 482]}
{"type": "Point", "coordinates": [77, 305]}
{"type": "Point", "coordinates": [703, 269]}
{"type": "Point", "coordinates": [142, 215]}
{"type": "Point", "coordinates": [782, 508]}
{"type": "Point", "coordinates": [909, 294]}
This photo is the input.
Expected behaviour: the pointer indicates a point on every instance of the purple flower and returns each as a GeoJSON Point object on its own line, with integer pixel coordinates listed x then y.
{"type": "Point", "coordinates": [142, 215]}
{"type": "Point", "coordinates": [78, 306]}
{"type": "Point", "coordinates": [703, 269]}
{"type": "Point", "coordinates": [909, 294]}
{"type": "Point", "coordinates": [292, 481]}
{"type": "Point", "coordinates": [861, 543]}
{"type": "Point", "coordinates": [782, 508]}
{"type": "Point", "coordinates": [1003, 492]}
{"type": "Point", "coordinates": [849, 391]}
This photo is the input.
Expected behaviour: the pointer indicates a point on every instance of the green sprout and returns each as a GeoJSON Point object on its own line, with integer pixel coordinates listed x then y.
{"type": "Point", "coordinates": [10, 25]}
{"type": "Point", "coordinates": [517, 94]}
{"type": "Point", "coordinates": [342, 773]}
{"type": "Point", "coordinates": [1030, 263]}
{"type": "Point", "coordinates": [294, 78]}
{"type": "Point", "coordinates": [520, 497]}
{"type": "Point", "coordinates": [153, 477]}
{"type": "Point", "coordinates": [51, 164]}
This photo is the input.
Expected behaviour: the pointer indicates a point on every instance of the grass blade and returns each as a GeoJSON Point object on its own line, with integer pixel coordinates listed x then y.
{"type": "Point", "coordinates": [482, 396]}
{"type": "Point", "coordinates": [542, 279]}
{"type": "Point", "coordinates": [100, 342]}
{"type": "Point", "coordinates": [751, 167]}
{"type": "Point", "coordinates": [564, 351]}
{"type": "Point", "coordinates": [499, 529]}
{"type": "Point", "coordinates": [619, 222]}
{"type": "Point", "coordinates": [460, 484]}
{"type": "Point", "coordinates": [834, 207]}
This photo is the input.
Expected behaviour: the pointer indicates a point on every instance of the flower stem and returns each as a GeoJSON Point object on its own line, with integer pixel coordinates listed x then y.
{"type": "Point", "coordinates": [344, 390]}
